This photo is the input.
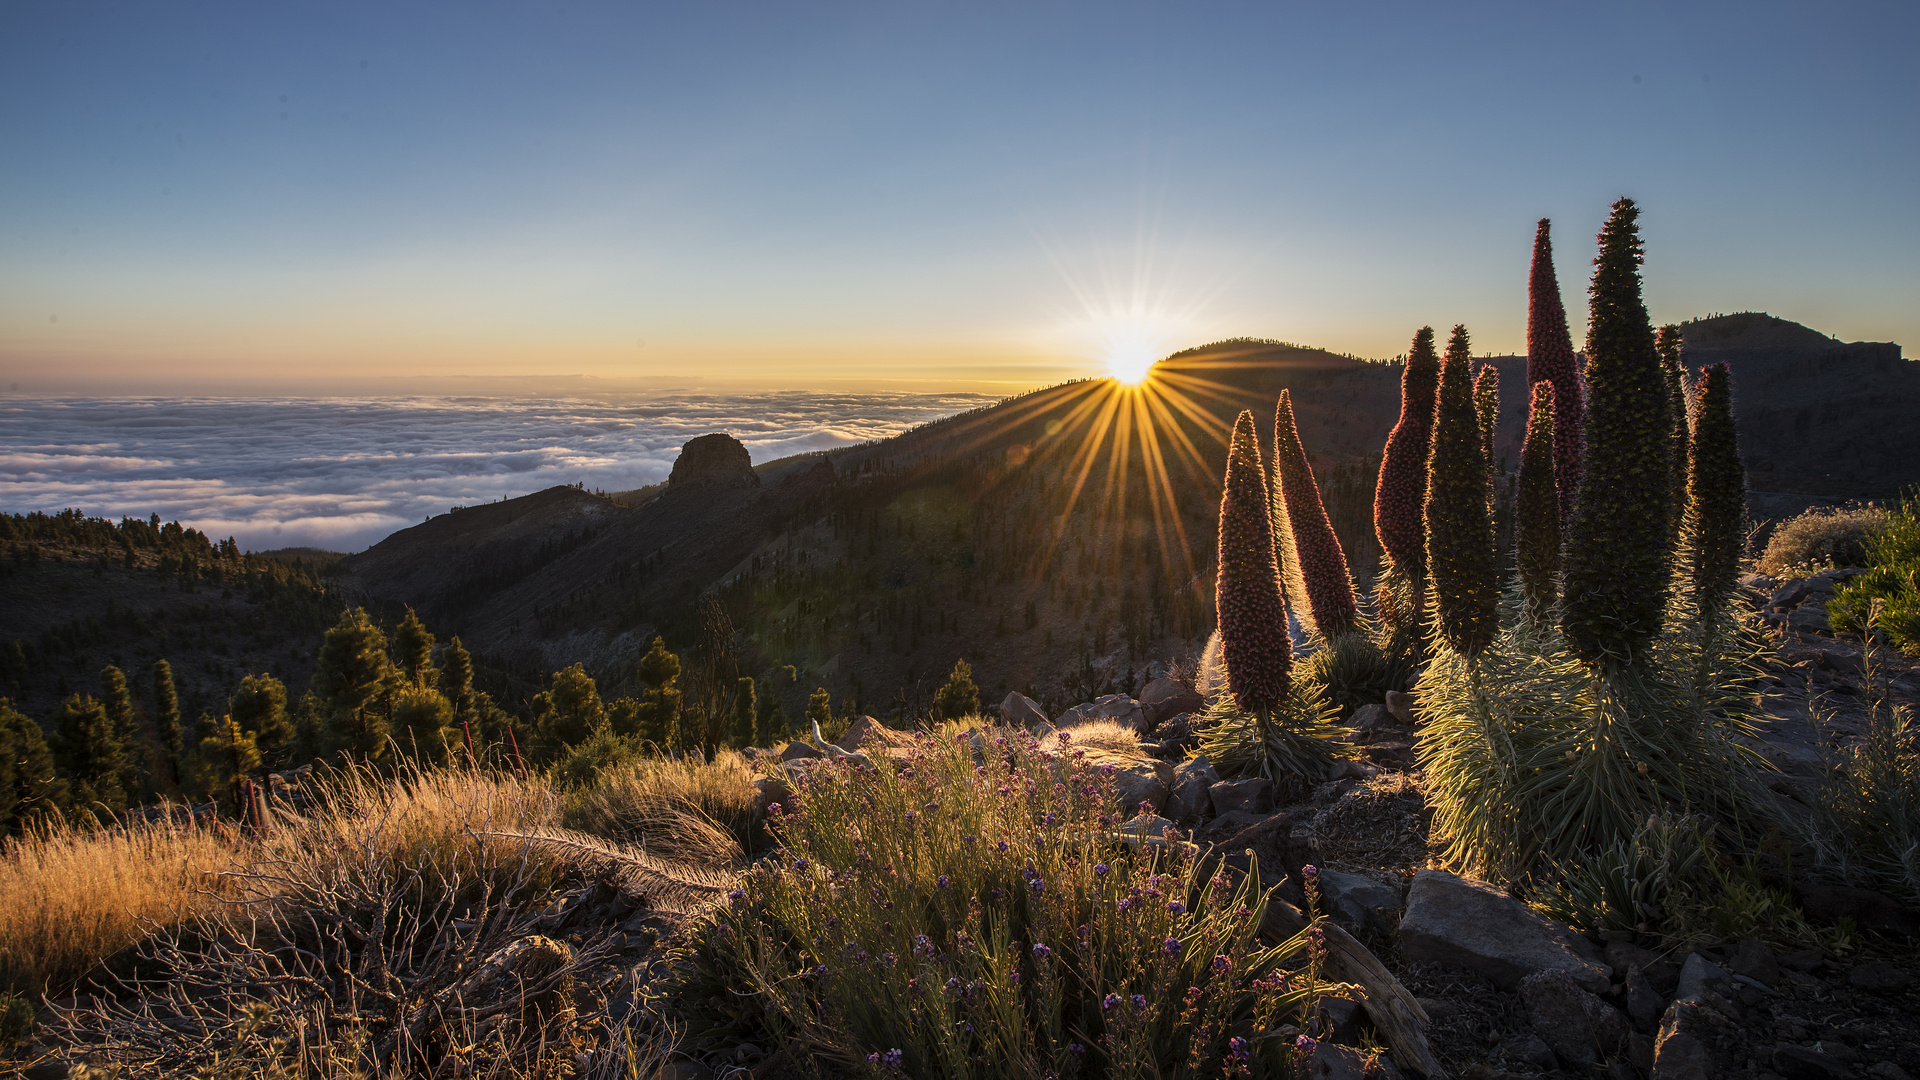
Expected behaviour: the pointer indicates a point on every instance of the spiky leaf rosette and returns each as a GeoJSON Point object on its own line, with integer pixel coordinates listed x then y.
{"type": "Point", "coordinates": [1667, 343]}
{"type": "Point", "coordinates": [1537, 535]}
{"type": "Point", "coordinates": [1400, 500]}
{"type": "Point", "coordinates": [1466, 589]}
{"type": "Point", "coordinates": [1717, 490]}
{"type": "Point", "coordinates": [1323, 565]}
{"type": "Point", "coordinates": [1617, 567]}
{"type": "Point", "coordinates": [1550, 359]}
{"type": "Point", "coordinates": [1486, 406]}
{"type": "Point", "coordinates": [1251, 614]}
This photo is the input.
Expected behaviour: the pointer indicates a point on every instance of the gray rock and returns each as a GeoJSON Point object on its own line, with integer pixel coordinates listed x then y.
{"type": "Point", "coordinates": [1189, 799]}
{"type": "Point", "coordinates": [1806, 960]}
{"type": "Point", "coordinates": [1019, 710]}
{"type": "Point", "coordinates": [1578, 1026]}
{"type": "Point", "coordinates": [1887, 1070]}
{"type": "Point", "coordinates": [1755, 961]}
{"type": "Point", "coordinates": [1344, 1019]}
{"type": "Point", "coordinates": [1368, 719]}
{"type": "Point", "coordinates": [1401, 706]}
{"type": "Point", "coordinates": [1877, 977]}
{"type": "Point", "coordinates": [797, 750]}
{"type": "Point", "coordinates": [1700, 974]}
{"type": "Point", "coordinates": [1357, 901]}
{"type": "Point", "coordinates": [1147, 782]}
{"type": "Point", "coordinates": [1800, 1063]}
{"type": "Point", "coordinates": [1253, 795]}
{"type": "Point", "coordinates": [1118, 708]}
{"type": "Point", "coordinates": [1680, 1056]}
{"type": "Point", "coordinates": [1872, 910]}
{"type": "Point", "coordinates": [1644, 1003]}
{"type": "Point", "coordinates": [770, 790]}
{"type": "Point", "coordinates": [1640, 1051]}
{"type": "Point", "coordinates": [1451, 920]}
{"type": "Point", "coordinates": [1529, 1050]}
{"type": "Point", "coordinates": [1163, 699]}
{"type": "Point", "coordinates": [1789, 594]}
{"type": "Point", "coordinates": [1694, 1040]}
{"type": "Point", "coordinates": [1233, 824]}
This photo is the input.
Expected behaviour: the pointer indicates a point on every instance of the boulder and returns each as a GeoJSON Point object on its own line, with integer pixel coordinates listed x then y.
{"type": "Point", "coordinates": [1368, 719]}
{"type": "Point", "coordinates": [1452, 920]}
{"type": "Point", "coordinates": [1529, 1050]}
{"type": "Point", "coordinates": [1019, 710]}
{"type": "Point", "coordinates": [1163, 699]}
{"type": "Point", "coordinates": [796, 750]}
{"type": "Point", "coordinates": [1800, 1063]}
{"type": "Point", "coordinates": [1343, 1018]}
{"type": "Point", "coordinates": [1118, 708]}
{"type": "Point", "coordinates": [1253, 795]}
{"type": "Point", "coordinates": [1699, 975]}
{"type": "Point", "coordinates": [865, 728]}
{"type": "Point", "coordinates": [1578, 1026]}
{"type": "Point", "coordinates": [1147, 782]}
{"type": "Point", "coordinates": [1644, 1004]}
{"type": "Point", "coordinates": [1229, 826]}
{"type": "Point", "coordinates": [1332, 1061]}
{"type": "Point", "coordinates": [1357, 901]}
{"type": "Point", "coordinates": [1697, 1042]}
{"type": "Point", "coordinates": [1188, 799]}
{"type": "Point", "coordinates": [1401, 706]}
{"type": "Point", "coordinates": [718, 460]}
{"type": "Point", "coordinates": [1877, 977]}
{"type": "Point", "coordinates": [770, 790]}
{"type": "Point", "coordinates": [1756, 962]}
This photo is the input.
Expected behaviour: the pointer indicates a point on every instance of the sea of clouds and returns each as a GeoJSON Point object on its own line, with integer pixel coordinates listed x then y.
{"type": "Point", "coordinates": [342, 473]}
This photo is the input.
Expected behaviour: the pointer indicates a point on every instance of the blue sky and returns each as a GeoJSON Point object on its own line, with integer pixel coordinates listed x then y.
{"type": "Point", "coordinates": [198, 194]}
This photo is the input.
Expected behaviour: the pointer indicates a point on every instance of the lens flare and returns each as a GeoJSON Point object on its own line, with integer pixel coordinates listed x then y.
{"type": "Point", "coordinates": [1129, 362]}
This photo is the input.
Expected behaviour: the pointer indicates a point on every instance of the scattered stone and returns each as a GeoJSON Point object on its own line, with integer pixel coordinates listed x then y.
{"type": "Point", "coordinates": [1644, 1004]}
{"type": "Point", "coordinates": [1228, 826]}
{"type": "Point", "coordinates": [1528, 1050]}
{"type": "Point", "coordinates": [1755, 961]}
{"type": "Point", "coordinates": [1344, 1019]}
{"type": "Point", "coordinates": [1693, 1037]}
{"type": "Point", "coordinates": [1401, 706]}
{"type": "Point", "coordinates": [1253, 795]}
{"type": "Point", "coordinates": [1368, 719]}
{"type": "Point", "coordinates": [1838, 1051]}
{"type": "Point", "coordinates": [1118, 708]}
{"type": "Point", "coordinates": [1394, 754]}
{"type": "Point", "coordinates": [1455, 921]}
{"type": "Point", "coordinates": [770, 790]}
{"type": "Point", "coordinates": [1189, 798]}
{"type": "Point", "coordinates": [796, 750]}
{"type": "Point", "coordinates": [1145, 783]}
{"type": "Point", "coordinates": [1806, 960]}
{"type": "Point", "coordinates": [1177, 734]}
{"type": "Point", "coordinates": [1164, 699]}
{"type": "Point", "coordinates": [1575, 1023]}
{"type": "Point", "coordinates": [1887, 1070]}
{"type": "Point", "coordinates": [1357, 901]}
{"type": "Point", "coordinates": [1877, 977]}
{"type": "Point", "coordinates": [1679, 1056]}
{"type": "Point", "coordinates": [1021, 711]}
{"type": "Point", "coordinates": [1700, 974]}
{"type": "Point", "coordinates": [866, 728]}
{"type": "Point", "coordinates": [1800, 1063]}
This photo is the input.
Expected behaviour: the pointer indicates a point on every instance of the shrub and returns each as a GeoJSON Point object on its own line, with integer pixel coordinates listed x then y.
{"type": "Point", "coordinates": [1887, 596]}
{"type": "Point", "coordinates": [958, 696]}
{"type": "Point", "coordinates": [678, 808]}
{"type": "Point", "coordinates": [1631, 884]}
{"type": "Point", "coordinates": [1822, 537]}
{"type": "Point", "coordinates": [1865, 827]}
{"type": "Point", "coordinates": [972, 917]}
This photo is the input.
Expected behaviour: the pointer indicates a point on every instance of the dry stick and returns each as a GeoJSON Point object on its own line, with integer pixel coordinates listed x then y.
{"type": "Point", "coordinates": [1393, 1010]}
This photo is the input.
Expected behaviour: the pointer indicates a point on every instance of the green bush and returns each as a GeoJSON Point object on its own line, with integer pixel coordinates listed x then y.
{"type": "Point", "coordinates": [1634, 883]}
{"type": "Point", "coordinates": [1822, 538]}
{"type": "Point", "coordinates": [1298, 741]}
{"type": "Point", "coordinates": [959, 920]}
{"type": "Point", "coordinates": [1892, 582]}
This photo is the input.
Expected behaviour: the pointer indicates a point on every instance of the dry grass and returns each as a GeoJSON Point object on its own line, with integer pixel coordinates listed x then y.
{"type": "Point", "coordinates": [1095, 735]}
{"type": "Point", "coordinates": [1822, 538]}
{"type": "Point", "coordinates": [71, 896]}
{"type": "Point", "coordinates": [680, 809]}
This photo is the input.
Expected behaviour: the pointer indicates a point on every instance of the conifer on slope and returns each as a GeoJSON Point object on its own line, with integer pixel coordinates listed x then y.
{"type": "Point", "coordinates": [1550, 359]}
{"type": "Point", "coordinates": [1717, 490]}
{"type": "Point", "coordinates": [1323, 565]}
{"type": "Point", "coordinates": [166, 720]}
{"type": "Point", "coordinates": [1537, 535]}
{"type": "Point", "coordinates": [1466, 592]}
{"type": "Point", "coordinates": [1400, 499]}
{"type": "Point", "coordinates": [1252, 616]}
{"type": "Point", "coordinates": [1618, 547]}
{"type": "Point", "coordinates": [1667, 342]}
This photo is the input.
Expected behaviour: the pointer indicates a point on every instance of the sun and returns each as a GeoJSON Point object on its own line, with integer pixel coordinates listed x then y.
{"type": "Point", "coordinates": [1129, 362]}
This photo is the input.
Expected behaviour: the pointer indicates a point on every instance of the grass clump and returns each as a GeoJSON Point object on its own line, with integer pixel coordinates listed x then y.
{"type": "Point", "coordinates": [1865, 828]}
{"type": "Point", "coordinates": [1887, 596]}
{"type": "Point", "coordinates": [972, 916]}
{"type": "Point", "coordinates": [676, 808]}
{"type": "Point", "coordinates": [1822, 538]}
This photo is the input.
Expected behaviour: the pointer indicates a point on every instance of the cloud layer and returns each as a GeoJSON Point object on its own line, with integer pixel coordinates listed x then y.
{"type": "Point", "coordinates": [343, 473]}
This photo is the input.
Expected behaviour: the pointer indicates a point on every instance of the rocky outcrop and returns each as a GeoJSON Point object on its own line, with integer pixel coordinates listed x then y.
{"type": "Point", "coordinates": [1118, 708]}
{"type": "Point", "coordinates": [1451, 920]}
{"type": "Point", "coordinates": [1164, 699]}
{"type": "Point", "coordinates": [1021, 711]}
{"type": "Point", "coordinates": [718, 460]}
{"type": "Point", "coordinates": [1250, 796]}
{"type": "Point", "coordinates": [1578, 1026]}
{"type": "Point", "coordinates": [1189, 798]}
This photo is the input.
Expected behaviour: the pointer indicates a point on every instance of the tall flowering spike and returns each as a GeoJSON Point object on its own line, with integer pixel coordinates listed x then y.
{"type": "Point", "coordinates": [1717, 490]}
{"type": "Point", "coordinates": [1550, 359]}
{"type": "Point", "coordinates": [1537, 535]}
{"type": "Point", "coordinates": [1323, 565]}
{"type": "Point", "coordinates": [1466, 587]}
{"type": "Point", "coordinates": [1486, 407]}
{"type": "Point", "coordinates": [1617, 568]}
{"type": "Point", "coordinates": [1252, 615]}
{"type": "Point", "coordinates": [1667, 343]}
{"type": "Point", "coordinates": [1400, 500]}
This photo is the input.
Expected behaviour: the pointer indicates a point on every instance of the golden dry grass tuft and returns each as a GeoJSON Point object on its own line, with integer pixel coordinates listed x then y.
{"type": "Point", "coordinates": [1095, 735]}
{"type": "Point", "coordinates": [680, 809]}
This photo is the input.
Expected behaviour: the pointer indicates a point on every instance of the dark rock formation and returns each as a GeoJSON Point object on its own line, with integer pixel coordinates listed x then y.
{"type": "Point", "coordinates": [716, 459]}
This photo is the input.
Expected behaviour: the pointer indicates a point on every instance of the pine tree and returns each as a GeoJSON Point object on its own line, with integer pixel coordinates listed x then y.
{"type": "Point", "coordinates": [352, 675]}
{"type": "Point", "coordinates": [1323, 565]}
{"type": "Point", "coordinates": [227, 754]}
{"type": "Point", "coordinates": [1619, 544]}
{"type": "Point", "coordinates": [1486, 408]}
{"type": "Point", "coordinates": [456, 677]}
{"type": "Point", "coordinates": [118, 702]}
{"type": "Point", "coordinates": [570, 711]}
{"type": "Point", "coordinates": [259, 706]}
{"type": "Point", "coordinates": [1667, 342]}
{"type": "Point", "coordinates": [658, 718]}
{"type": "Point", "coordinates": [29, 787]}
{"type": "Point", "coordinates": [1717, 488]}
{"type": "Point", "coordinates": [1400, 499]}
{"type": "Point", "coordinates": [413, 649]}
{"type": "Point", "coordinates": [1550, 359]}
{"type": "Point", "coordinates": [90, 755]}
{"type": "Point", "coordinates": [1460, 558]}
{"type": "Point", "coordinates": [166, 721]}
{"type": "Point", "coordinates": [820, 709]}
{"type": "Point", "coordinates": [746, 714]}
{"type": "Point", "coordinates": [424, 726]}
{"type": "Point", "coordinates": [958, 697]}
{"type": "Point", "coordinates": [1252, 616]}
{"type": "Point", "coordinates": [1537, 536]}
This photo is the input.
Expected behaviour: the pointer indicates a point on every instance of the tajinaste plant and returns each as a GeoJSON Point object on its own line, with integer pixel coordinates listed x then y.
{"type": "Point", "coordinates": [1667, 343]}
{"type": "Point", "coordinates": [1486, 406]}
{"type": "Point", "coordinates": [1537, 534]}
{"type": "Point", "coordinates": [1399, 501]}
{"type": "Point", "coordinates": [1717, 492]}
{"type": "Point", "coordinates": [1466, 591]}
{"type": "Point", "coordinates": [1252, 616]}
{"type": "Point", "coordinates": [1550, 359]}
{"type": "Point", "coordinates": [1323, 565]}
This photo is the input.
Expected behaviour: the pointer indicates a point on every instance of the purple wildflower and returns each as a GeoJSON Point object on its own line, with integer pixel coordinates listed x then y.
{"type": "Point", "coordinates": [1171, 946]}
{"type": "Point", "coordinates": [799, 864]}
{"type": "Point", "coordinates": [1139, 1002]}
{"type": "Point", "coordinates": [943, 881]}
{"type": "Point", "coordinates": [1042, 951]}
{"type": "Point", "coordinates": [737, 895]}
{"type": "Point", "coordinates": [1176, 907]}
{"type": "Point", "coordinates": [1108, 1003]}
{"type": "Point", "coordinates": [1305, 1046]}
{"type": "Point", "coordinates": [1222, 964]}
{"type": "Point", "coordinates": [1101, 869]}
